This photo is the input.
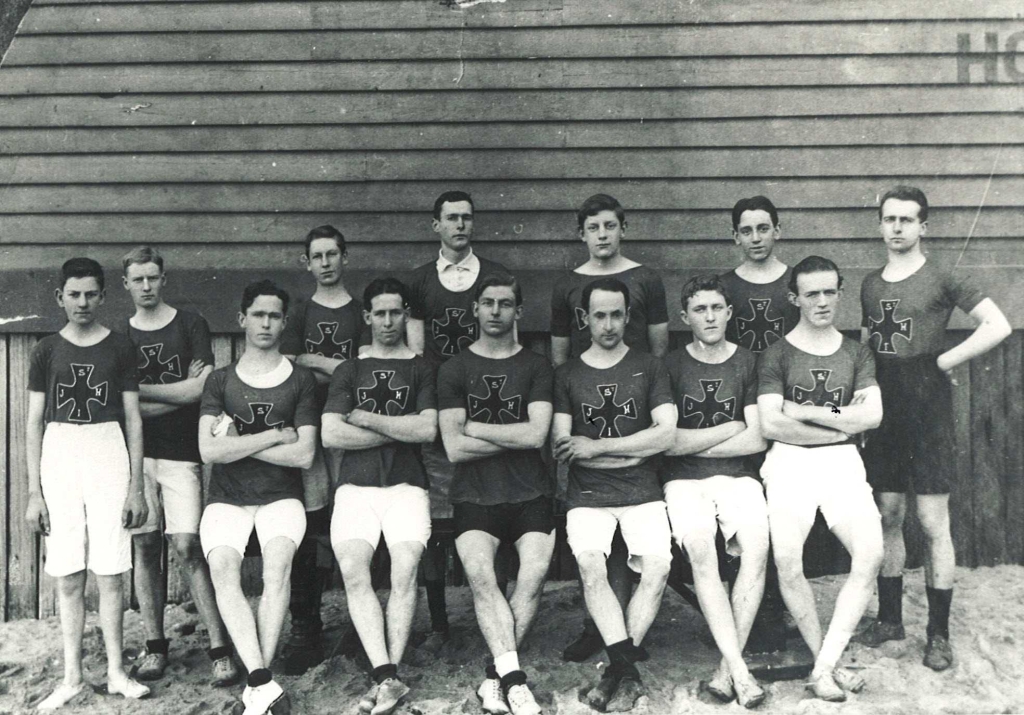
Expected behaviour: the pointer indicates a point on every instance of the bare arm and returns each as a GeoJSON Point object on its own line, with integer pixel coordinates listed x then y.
{"type": "Point", "coordinates": [645, 443]}
{"type": "Point", "coordinates": [186, 392]}
{"type": "Point", "coordinates": [457, 444]}
{"type": "Point", "coordinates": [749, 441]}
{"type": "Point", "coordinates": [776, 425]}
{"type": "Point", "coordinates": [413, 429]}
{"type": "Point", "coordinates": [338, 433]}
{"type": "Point", "coordinates": [320, 365]}
{"type": "Point", "coordinates": [693, 441]}
{"type": "Point", "coordinates": [155, 409]}
{"type": "Point", "coordinates": [135, 509]}
{"type": "Point", "coordinates": [415, 335]}
{"type": "Point", "coordinates": [35, 512]}
{"type": "Point", "coordinates": [657, 336]}
{"type": "Point", "coordinates": [233, 447]}
{"type": "Point", "coordinates": [992, 328]}
{"type": "Point", "coordinates": [864, 413]}
{"type": "Point", "coordinates": [560, 348]}
{"type": "Point", "coordinates": [299, 453]}
{"type": "Point", "coordinates": [524, 435]}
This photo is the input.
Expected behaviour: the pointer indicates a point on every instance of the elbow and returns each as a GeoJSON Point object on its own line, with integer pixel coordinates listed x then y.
{"type": "Point", "coordinates": [769, 431]}
{"type": "Point", "coordinates": [666, 438]}
{"type": "Point", "coordinates": [429, 434]}
{"type": "Point", "coordinates": [305, 460]}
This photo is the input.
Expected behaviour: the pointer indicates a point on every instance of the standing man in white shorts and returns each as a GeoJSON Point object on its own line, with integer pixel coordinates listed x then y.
{"type": "Point", "coordinates": [816, 389]}
{"type": "Point", "coordinates": [613, 412]}
{"type": "Point", "coordinates": [175, 358]}
{"type": "Point", "coordinates": [709, 480]}
{"type": "Point", "coordinates": [258, 426]}
{"type": "Point", "coordinates": [381, 407]}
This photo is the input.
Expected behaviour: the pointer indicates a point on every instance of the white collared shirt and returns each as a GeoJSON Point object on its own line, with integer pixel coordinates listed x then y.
{"type": "Point", "coordinates": [458, 277]}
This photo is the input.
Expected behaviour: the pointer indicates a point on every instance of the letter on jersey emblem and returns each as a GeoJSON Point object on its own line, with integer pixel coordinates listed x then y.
{"type": "Point", "coordinates": [759, 326]}
{"type": "Point", "coordinates": [326, 346]}
{"type": "Point", "coordinates": [452, 335]}
{"type": "Point", "coordinates": [820, 394]}
{"type": "Point", "coordinates": [888, 328]}
{"type": "Point", "coordinates": [260, 422]}
{"type": "Point", "coordinates": [706, 410]}
{"type": "Point", "coordinates": [80, 393]}
{"type": "Point", "coordinates": [489, 407]}
{"type": "Point", "coordinates": [152, 371]}
{"type": "Point", "coordinates": [581, 318]}
{"type": "Point", "coordinates": [382, 395]}
{"type": "Point", "coordinates": [608, 412]}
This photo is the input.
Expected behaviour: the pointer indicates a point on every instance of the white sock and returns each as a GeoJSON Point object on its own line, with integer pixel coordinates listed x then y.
{"type": "Point", "coordinates": [506, 663]}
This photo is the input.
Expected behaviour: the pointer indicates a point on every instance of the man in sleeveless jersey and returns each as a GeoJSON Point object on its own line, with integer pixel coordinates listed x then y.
{"type": "Point", "coordinates": [495, 401]}
{"type": "Point", "coordinates": [85, 471]}
{"type": "Point", "coordinates": [601, 223]}
{"type": "Point", "coordinates": [613, 412]}
{"type": "Point", "coordinates": [174, 358]}
{"type": "Point", "coordinates": [905, 306]}
{"type": "Point", "coordinates": [816, 390]}
{"type": "Point", "coordinates": [258, 426]}
{"type": "Point", "coordinates": [710, 482]}
{"type": "Point", "coordinates": [380, 409]}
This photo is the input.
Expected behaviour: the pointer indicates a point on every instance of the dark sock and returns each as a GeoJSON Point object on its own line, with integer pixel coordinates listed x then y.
{"type": "Point", "coordinates": [383, 672]}
{"type": "Point", "coordinates": [516, 677]}
{"type": "Point", "coordinates": [621, 659]}
{"type": "Point", "coordinates": [890, 599]}
{"type": "Point", "coordinates": [492, 672]}
{"type": "Point", "coordinates": [437, 605]}
{"type": "Point", "coordinates": [939, 600]}
{"type": "Point", "coordinates": [160, 645]}
{"type": "Point", "coordinates": [258, 677]}
{"type": "Point", "coordinates": [219, 652]}
{"type": "Point", "coordinates": [589, 627]}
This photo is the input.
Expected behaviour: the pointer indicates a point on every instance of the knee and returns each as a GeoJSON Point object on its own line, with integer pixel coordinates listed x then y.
{"type": "Point", "coordinates": [187, 549]}
{"type": "Point", "coordinates": [654, 571]}
{"type": "Point", "coordinates": [701, 551]}
{"type": "Point", "coordinates": [482, 580]}
{"type": "Point", "coordinates": [355, 572]}
{"type": "Point", "coordinates": [893, 514]}
{"type": "Point", "coordinates": [72, 586]}
{"type": "Point", "coordinates": [790, 567]}
{"type": "Point", "coordinates": [593, 569]}
{"type": "Point", "coordinates": [754, 543]}
{"type": "Point", "coordinates": [148, 547]}
{"type": "Point", "coordinates": [866, 560]}
{"type": "Point", "coordinates": [225, 563]}
{"type": "Point", "coordinates": [935, 524]}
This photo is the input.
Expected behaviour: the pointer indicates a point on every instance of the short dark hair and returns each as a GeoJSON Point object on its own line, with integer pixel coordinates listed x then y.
{"type": "Point", "coordinates": [81, 268]}
{"type": "Point", "coordinates": [451, 197]}
{"type": "Point", "coordinates": [612, 285]}
{"type": "Point", "coordinates": [754, 203]}
{"type": "Point", "coordinates": [142, 254]}
{"type": "Point", "coordinates": [902, 192]}
{"type": "Point", "coordinates": [598, 203]}
{"type": "Point", "coordinates": [704, 281]}
{"type": "Point", "coordinates": [263, 287]}
{"type": "Point", "coordinates": [325, 231]}
{"type": "Point", "coordinates": [499, 279]}
{"type": "Point", "coordinates": [381, 286]}
{"type": "Point", "coordinates": [813, 264]}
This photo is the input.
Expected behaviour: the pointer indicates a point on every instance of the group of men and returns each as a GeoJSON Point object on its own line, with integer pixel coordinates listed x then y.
{"type": "Point", "coordinates": [344, 421]}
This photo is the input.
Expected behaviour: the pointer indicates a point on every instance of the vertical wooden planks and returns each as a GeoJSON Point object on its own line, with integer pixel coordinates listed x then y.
{"type": "Point", "coordinates": [23, 544]}
{"type": "Point", "coordinates": [961, 498]}
{"type": "Point", "coordinates": [5, 472]}
{"type": "Point", "coordinates": [1013, 471]}
{"type": "Point", "coordinates": [988, 439]}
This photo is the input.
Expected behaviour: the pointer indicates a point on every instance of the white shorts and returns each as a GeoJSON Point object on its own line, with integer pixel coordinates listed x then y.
{"type": "Point", "coordinates": [230, 525]}
{"type": "Point", "coordinates": [702, 506]}
{"type": "Point", "coordinates": [174, 495]}
{"type": "Point", "coordinates": [644, 529]}
{"type": "Point", "coordinates": [84, 473]}
{"type": "Point", "coordinates": [801, 480]}
{"type": "Point", "coordinates": [401, 513]}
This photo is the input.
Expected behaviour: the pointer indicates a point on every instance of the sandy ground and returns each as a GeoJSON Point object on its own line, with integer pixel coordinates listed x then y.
{"type": "Point", "coordinates": [987, 629]}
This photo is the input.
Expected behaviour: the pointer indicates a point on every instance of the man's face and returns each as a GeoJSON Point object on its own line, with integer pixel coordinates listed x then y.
{"type": "Point", "coordinates": [80, 298]}
{"type": "Point", "coordinates": [902, 228]}
{"type": "Point", "coordinates": [497, 310]}
{"type": "Point", "coordinates": [145, 282]}
{"type": "Point", "coordinates": [756, 235]}
{"type": "Point", "coordinates": [607, 318]}
{"type": "Point", "coordinates": [325, 261]}
{"type": "Point", "coordinates": [455, 227]}
{"type": "Point", "coordinates": [707, 315]}
{"type": "Point", "coordinates": [263, 322]}
{"type": "Point", "coordinates": [602, 233]}
{"type": "Point", "coordinates": [386, 318]}
{"type": "Point", "coordinates": [817, 297]}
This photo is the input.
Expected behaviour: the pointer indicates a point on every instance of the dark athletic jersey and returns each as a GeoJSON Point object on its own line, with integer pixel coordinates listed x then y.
{"type": "Point", "coordinates": [825, 381]}
{"type": "Point", "coordinates": [387, 387]}
{"type": "Point", "coordinates": [612, 402]}
{"type": "Point", "coordinates": [83, 385]}
{"type": "Point", "coordinates": [164, 356]}
{"type": "Point", "coordinates": [708, 395]}
{"type": "Point", "coordinates": [250, 481]}
{"type": "Point", "coordinates": [448, 323]}
{"type": "Point", "coordinates": [646, 307]}
{"type": "Point", "coordinates": [497, 392]}
{"type": "Point", "coordinates": [908, 318]}
{"type": "Point", "coordinates": [314, 329]}
{"type": "Point", "coordinates": [761, 313]}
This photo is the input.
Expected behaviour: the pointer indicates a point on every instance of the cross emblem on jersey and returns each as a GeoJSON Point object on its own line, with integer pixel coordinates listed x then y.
{"type": "Point", "coordinates": [326, 346]}
{"type": "Point", "coordinates": [888, 327]}
{"type": "Point", "coordinates": [260, 422]}
{"type": "Point", "coordinates": [759, 325]}
{"type": "Point", "coordinates": [381, 395]}
{"type": "Point", "coordinates": [709, 407]}
{"type": "Point", "coordinates": [490, 407]}
{"type": "Point", "coordinates": [820, 394]}
{"type": "Point", "coordinates": [609, 412]}
{"type": "Point", "coordinates": [453, 331]}
{"type": "Point", "coordinates": [581, 318]}
{"type": "Point", "coordinates": [80, 393]}
{"type": "Point", "coordinates": [152, 371]}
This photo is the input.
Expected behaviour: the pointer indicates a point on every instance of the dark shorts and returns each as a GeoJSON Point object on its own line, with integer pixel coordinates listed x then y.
{"type": "Point", "coordinates": [506, 522]}
{"type": "Point", "coordinates": [914, 447]}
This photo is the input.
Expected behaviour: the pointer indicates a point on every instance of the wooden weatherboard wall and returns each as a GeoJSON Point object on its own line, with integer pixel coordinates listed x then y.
{"type": "Point", "coordinates": [223, 131]}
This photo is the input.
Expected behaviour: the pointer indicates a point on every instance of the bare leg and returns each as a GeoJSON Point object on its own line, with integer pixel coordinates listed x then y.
{"type": "Point", "coordinates": [893, 507]}
{"type": "Point", "coordinates": [405, 560]}
{"type": "Point", "coordinates": [788, 537]}
{"type": "Point", "coordinates": [497, 623]}
{"type": "Point", "coordinates": [71, 594]}
{"type": "Point", "coordinates": [933, 514]}
{"type": "Point", "coordinates": [226, 574]}
{"type": "Point", "coordinates": [646, 601]}
{"type": "Point", "coordinates": [190, 555]}
{"type": "Point", "coordinates": [147, 574]}
{"type": "Point", "coordinates": [277, 571]}
{"type": "Point", "coordinates": [604, 608]}
{"type": "Point", "coordinates": [535, 550]}
{"type": "Point", "coordinates": [354, 557]}
{"type": "Point", "coordinates": [749, 586]}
